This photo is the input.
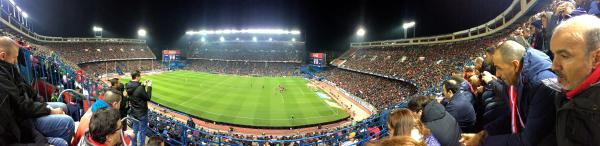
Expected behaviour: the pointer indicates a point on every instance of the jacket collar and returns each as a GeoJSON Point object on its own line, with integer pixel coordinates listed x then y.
{"type": "Point", "coordinates": [591, 79]}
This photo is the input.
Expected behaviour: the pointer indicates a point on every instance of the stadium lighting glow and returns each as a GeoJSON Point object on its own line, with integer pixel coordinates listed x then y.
{"type": "Point", "coordinates": [360, 32]}
{"type": "Point", "coordinates": [237, 39]}
{"type": "Point", "coordinates": [18, 9]}
{"type": "Point", "coordinates": [203, 39]}
{"type": "Point", "coordinates": [254, 39]}
{"type": "Point", "coordinates": [95, 28]}
{"type": "Point", "coordinates": [142, 32]}
{"type": "Point", "coordinates": [408, 25]}
{"type": "Point", "coordinates": [222, 39]}
{"type": "Point", "coordinates": [293, 39]}
{"type": "Point", "coordinates": [270, 39]}
{"type": "Point", "coordinates": [12, 2]}
{"type": "Point", "coordinates": [248, 31]}
{"type": "Point", "coordinates": [25, 15]}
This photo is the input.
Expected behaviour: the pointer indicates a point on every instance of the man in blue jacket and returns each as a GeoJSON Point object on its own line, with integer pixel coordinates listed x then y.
{"type": "Point", "coordinates": [531, 116]}
{"type": "Point", "coordinates": [458, 104]}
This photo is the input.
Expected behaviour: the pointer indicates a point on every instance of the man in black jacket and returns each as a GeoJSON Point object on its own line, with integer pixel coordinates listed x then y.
{"type": "Point", "coordinates": [138, 102]}
{"type": "Point", "coordinates": [24, 120]}
{"type": "Point", "coordinates": [442, 125]}
{"type": "Point", "coordinates": [576, 45]}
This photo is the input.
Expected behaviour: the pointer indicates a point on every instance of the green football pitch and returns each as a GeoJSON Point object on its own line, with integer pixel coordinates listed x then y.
{"type": "Point", "coordinates": [244, 100]}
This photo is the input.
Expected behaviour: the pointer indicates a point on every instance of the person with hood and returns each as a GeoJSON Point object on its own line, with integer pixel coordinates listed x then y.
{"type": "Point", "coordinates": [576, 43]}
{"type": "Point", "coordinates": [138, 102]}
{"type": "Point", "coordinates": [441, 124]}
{"type": "Point", "coordinates": [531, 109]}
{"type": "Point", "coordinates": [25, 119]}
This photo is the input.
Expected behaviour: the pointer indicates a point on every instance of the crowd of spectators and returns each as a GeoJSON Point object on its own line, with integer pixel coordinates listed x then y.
{"type": "Point", "coordinates": [380, 92]}
{"type": "Point", "coordinates": [424, 65]}
{"type": "Point", "coordinates": [81, 52]}
{"type": "Point", "coordinates": [244, 68]}
{"type": "Point", "coordinates": [166, 125]}
{"type": "Point", "coordinates": [99, 68]}
{"type": "Point", "coordinates": [249, 51]}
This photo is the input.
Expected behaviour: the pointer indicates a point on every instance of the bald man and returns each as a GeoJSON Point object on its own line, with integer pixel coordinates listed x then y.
{"type": "Point", "coordinates": [112, 99]}
{"type": "Point", "coordinates": [576, 45]}
{"type": "Point", "coordinates": [529, 121]}
{"type": "Point", "coordinates": [25, 120]}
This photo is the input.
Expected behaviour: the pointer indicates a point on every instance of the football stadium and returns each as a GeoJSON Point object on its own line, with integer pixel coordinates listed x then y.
{"type": "Point", "coordinates": [299, 73]}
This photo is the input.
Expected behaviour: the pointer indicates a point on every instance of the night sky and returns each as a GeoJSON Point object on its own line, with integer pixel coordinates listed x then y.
{"type": "Point", "coordinates": [326, 25]}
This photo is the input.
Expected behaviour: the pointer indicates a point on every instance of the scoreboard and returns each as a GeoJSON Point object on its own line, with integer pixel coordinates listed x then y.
{"type": "Point", "coordinates": [171, 55]}
{"type": "Point", "coordinates": [318, 59]}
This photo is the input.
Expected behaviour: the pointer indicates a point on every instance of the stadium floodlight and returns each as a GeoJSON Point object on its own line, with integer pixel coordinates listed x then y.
{"type": "Point", "coordinates": [270, 39]}
{"type": "Point", "coordinates": [222, 39]}
{"type": "Point", "coordinates": [361, 32]}
{"type": "Point", "coordinates": [293, 39]}
{"type": "Point", "coordinates": [249, 31]}
{"type": "Point", "coordinates": [295, 32]}
{"type": "Point", "coordinates": [408, 25]}
{"type": "Point", "coordinates": [25, 15]}
{"type": "Point", "coordinates": [203, 39]}
{"type": "Point", "coordinates": [254, 39]}
{"type": "Point", "coordinates": [189, 32]}
{"type": "Point", "coordinates": [96, 28]}
{"type": "Point", "coordinates": [237, 39]}
{"type": "Point", "coordinates": [141, 32]}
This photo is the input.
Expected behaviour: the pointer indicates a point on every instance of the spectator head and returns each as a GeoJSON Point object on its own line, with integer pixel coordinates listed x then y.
{"type": "Point", "coordinates": [479, 63]}
{"type": "Point", "coordinates": [575, 44]}
{"type": "Point", "coordinates": [474, 80]}
{"type": "Point", "coordinates": [458, 77]}
{"type": "Point", "coordinates": [105, 127]}
{"type": "Point", "coordinates": [136, 75]}
{"type": "Point", "coordinates": [403, 122]}
{"type": "Point", "coordinates": [507, 60]}
{"type": "Point", "coordinates": [489, 54]}
{"type": "Point", "coordinates": [114, 81]}
{"type": "Point", "coordinates": [9, 50]}
{"type": "Point", "coordinates": [418, 103]}
{"type": "Point", "coordinates": [396, 141]}
{"type": "Point", "coordinates": [450, 87]}
{"type": "Point", "coordinates": [113, 99]}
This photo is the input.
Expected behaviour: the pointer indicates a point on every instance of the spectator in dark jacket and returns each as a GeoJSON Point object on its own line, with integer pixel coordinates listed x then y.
{"type": "Point", "coordinates": [138, 101]}
{"type": "Point", "coordinates": [25, 120]}
{"type": "Point", "coordinates": [459, 105]}
{"type": "Point", "coordinates": [576, 43]}
{"type": "Point", "coordinates": [494, 105]}
{"type": "Point", "coordinates": [531, 111]}
{"type": "Point", "coordinates": [442, 125]}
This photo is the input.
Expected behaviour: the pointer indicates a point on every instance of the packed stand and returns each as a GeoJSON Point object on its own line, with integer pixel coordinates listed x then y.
{"type": "Point", "coordinates": [117, 67]}
{"type": "Point", "coordinates": [82, 52]}
{"type": "Point", "coordinates": [244, 68]}
{"type": "Point", "coordinates": [249, 51]}
{"type": "Point", "coordinates": [380, 92]}
{"type": "Point", "coordinates": [173, 131]}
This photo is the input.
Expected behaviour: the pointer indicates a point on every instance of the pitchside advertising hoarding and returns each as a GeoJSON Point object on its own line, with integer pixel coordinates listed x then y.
{"type": "Point", "coordinates": [318, 59]}
{"type": "Point", "coordinates": [171, 55]}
